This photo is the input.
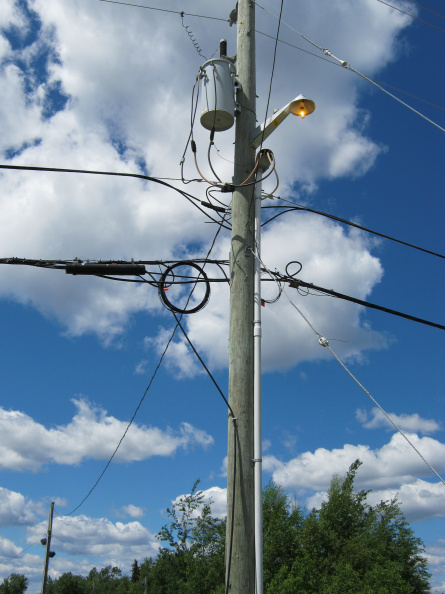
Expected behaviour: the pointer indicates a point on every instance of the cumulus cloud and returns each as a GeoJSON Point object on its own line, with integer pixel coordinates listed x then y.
{"type": "Point", "coordinates": [390, 466]}
{"type": "Point", "coordinates": [100, 538]}
{"type": "Point", "coordinates": [216, 496]}
{"type": "Point", "coordinates": [333, 258]}
{"type": "Point", "coordinates": [27, 445]}
{"type": "Point", "coordinates": [414, 422]}
{"type": "Point", "coordinates": [15, 509]}
{"type": "Point", "coordinates": [134, 511]}
{"type": "Point", "coordinates": [80, 113]}
{"type": "Point", "coordinates": [8, 548]}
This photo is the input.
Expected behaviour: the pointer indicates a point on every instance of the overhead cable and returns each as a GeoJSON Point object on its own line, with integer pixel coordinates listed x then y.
{"type": "Point", "coordinates": [346, 222]}
{"type": "Point", "coordinates": [325, 343]}
{"type": "Point", "coordinates": [347, 66]}
{"type": "Point", "coordinates": [180, 12]}
{"type": "Point", "coordinates": [192, 199]}
{"type": "Point", "coordinates": [413, 16]}
{"type": "Point", "coordinates": [296, 283]}
{"type": "Point", "coordinates": [128, 426]}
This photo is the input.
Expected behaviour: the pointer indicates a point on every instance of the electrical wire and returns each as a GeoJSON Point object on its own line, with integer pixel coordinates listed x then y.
{"type": "Point", "coordinates": [9, 559]}
{"type": "Point", "coordinates": [346, 222]}
{"type": "Point", "coordinates": [128, 426]}
{"type": "Point", "coordinates": [162, 289]}
{"type": "Point", "coordinates": [273, 69]}
{"type": "Point", "coordinates": [180, 12]}
{"type": "Point", "coordinates": [297, 283]}
{"type": "Point", "coordinates": [336, 64]}
{"type": "Point", "coordinates": [325, 343]}
{"type": "Point", "coordinates": [411, 15]}
{"type": "Point", "coordinates": [425, 8]}
{"type": "Point", "coordinates": [192, 199]}
{"type": "Point", "coordinates": [192, 37]}
{"type": "Point", "coordinates": [347, 66]}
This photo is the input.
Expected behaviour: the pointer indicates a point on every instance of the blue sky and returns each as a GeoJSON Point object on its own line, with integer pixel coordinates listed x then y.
{"type": "Point", "coordinates": [95, 85]}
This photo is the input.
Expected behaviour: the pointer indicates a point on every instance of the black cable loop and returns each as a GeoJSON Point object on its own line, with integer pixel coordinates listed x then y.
{"type": "Point", "coordinates": [163, 287]}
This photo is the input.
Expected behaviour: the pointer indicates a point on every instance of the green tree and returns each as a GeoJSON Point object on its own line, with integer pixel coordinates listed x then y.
{"type": "Point", "coordinates": [14, 584]}
{"type": "Point", "coordinates": [193, 560]}
{"type": "Point", "coordinates": [348, 546]}
{"type": "Point", "coordinates": [67, 583]}
{"type": "Point", "coordinates": [135, 571]}
{"type": "Point", "coordinates": [282, 521]}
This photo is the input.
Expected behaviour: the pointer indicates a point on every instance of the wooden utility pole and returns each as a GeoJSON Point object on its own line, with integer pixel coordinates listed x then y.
{"type": "Point", "coordinates": [240, 547]}
{"type": "Point", "coordinates": [48, 545]}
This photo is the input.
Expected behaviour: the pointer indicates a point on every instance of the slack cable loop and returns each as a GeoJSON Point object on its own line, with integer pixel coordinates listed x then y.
{"type": "Point", "coordinates": [163, 285]}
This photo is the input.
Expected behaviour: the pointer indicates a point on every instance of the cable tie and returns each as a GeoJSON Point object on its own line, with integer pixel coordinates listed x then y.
{"type": "Point", "coordinates": [323, 341]}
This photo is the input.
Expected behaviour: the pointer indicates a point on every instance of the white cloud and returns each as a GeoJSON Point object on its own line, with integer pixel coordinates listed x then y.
{"type": "Point", "coordinates": [332, 258]}
{"type": "Point", "coordinates": [8, 549]}
{"type": "Point", "coordinates": [405, 422]}
{"type": "Point", "coordinates": [118, 118]}
{"type": "Point", "coordinates": [27, 445]}
{"type": "Point", "coordinates": [419, 500]}
{"type": "Point", "coordinates": [134, 511]}
{"type": "Point", "coordinates": [389, 467]}
{"type": "Point", "coordinates": [15, 509]}
{"type": "Point", "coordinates": [116, 544]}
{"type": "Point", "coordinates": [216, 496]}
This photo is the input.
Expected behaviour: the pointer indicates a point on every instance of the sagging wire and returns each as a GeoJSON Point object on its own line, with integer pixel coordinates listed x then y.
{"type": "Point", "coordinates": [298, 207]}
{"type": "Point", "coordinates": [297, 284]}
{"type": "Point", "coordinates": [128, 426]}
{"type": "Point", "coordinates": [347, 66]}
{"type": "Point", "coordinates": [193, 111]}
{"type": "Point", "coordinates": [325, 343]}
{"type": "Point", "coordinates": [192, 199]}
{"type": "Point", "coordinates": [191, 36]}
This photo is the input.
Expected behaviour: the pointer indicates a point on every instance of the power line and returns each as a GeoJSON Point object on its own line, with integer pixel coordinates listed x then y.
{"type": "Point", "coordinates": [296, 283]}
{"type": "Point", "coordinates": [347, 66]}
{"type": "Point", "coordinates": [128, 426]}
{"type": "Point", "coordinates": [339, 66]}
{"type": "Point", "coordinates": [425, 8]}
{"type": "Point", "coordinates": [325, 343]}
{"type": "Point", "coordinates": [346, 222]}
{"type": "Point", "coordinates": [412, 15]}
{"type": "Point", "coordinates": [180, 12]}
{"type": "Point", "coordinates": [192, 199]}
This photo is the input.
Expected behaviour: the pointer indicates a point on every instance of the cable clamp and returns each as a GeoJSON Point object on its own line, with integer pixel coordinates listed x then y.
{"type": "Point", "coordinates": [257, 460]}
{"type": "Point", "coordinates": [323, 341]}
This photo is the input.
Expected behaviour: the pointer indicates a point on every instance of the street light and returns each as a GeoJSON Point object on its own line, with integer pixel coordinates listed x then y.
{"type": "Point", "coordinates": [301, 107]}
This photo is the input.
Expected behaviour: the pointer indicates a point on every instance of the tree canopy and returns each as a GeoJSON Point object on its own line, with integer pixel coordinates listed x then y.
{"type": "Point", "coordinates": [345, 547]}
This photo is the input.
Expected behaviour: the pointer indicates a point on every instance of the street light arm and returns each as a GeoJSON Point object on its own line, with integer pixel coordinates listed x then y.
{"type": "Point", "coordinates": [266, 128]}
{"type": "Point", "coordinates": [300, 106]}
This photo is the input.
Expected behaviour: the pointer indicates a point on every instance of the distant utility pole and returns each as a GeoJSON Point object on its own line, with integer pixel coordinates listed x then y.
{"type": "Point", "coordinates": [240, 547]}
{"type": "Point", "coordinates": [48, 545]}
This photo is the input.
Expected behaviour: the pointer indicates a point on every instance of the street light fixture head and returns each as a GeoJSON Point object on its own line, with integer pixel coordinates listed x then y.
{"type": "Point", "coordinates": [301, 106]}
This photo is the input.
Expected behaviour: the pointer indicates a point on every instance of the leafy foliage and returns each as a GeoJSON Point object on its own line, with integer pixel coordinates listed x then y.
{"type": "Point", "coordinates": [345, 547]}
{"type": "Point", "coordinates": [349, 546]}
{"type": "Point", "coordinates": [14, 584]}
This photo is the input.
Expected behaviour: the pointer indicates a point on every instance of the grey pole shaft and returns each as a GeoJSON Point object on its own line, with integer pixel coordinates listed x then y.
{"type": "Point", "coordinates": [240, 542]}
{"type": "Point", "coordinates": [48, 545]}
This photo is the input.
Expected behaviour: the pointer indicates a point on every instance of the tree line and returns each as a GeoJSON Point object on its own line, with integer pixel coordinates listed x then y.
{"type": "Point", "coordinates": [346, 546]}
